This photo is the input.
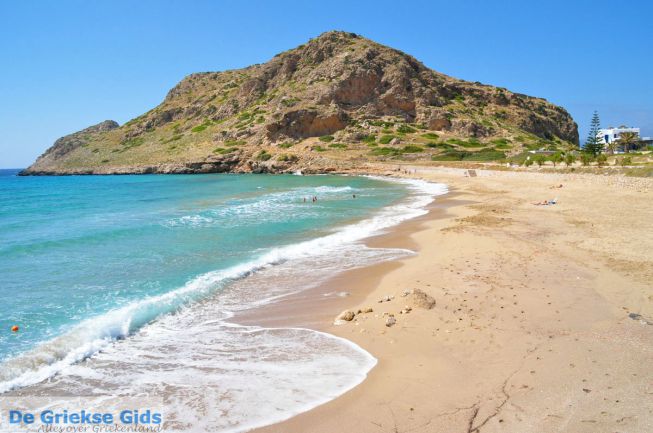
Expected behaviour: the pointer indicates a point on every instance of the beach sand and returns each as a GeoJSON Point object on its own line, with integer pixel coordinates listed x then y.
{"type": "Point", "coordinates": [543, 319]}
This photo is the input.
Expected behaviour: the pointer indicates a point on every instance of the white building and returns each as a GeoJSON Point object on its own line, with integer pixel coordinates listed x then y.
{"type": "Point", "coordinates": [609, 135]}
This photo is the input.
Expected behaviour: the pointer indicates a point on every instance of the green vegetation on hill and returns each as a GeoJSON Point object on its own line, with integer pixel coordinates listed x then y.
{"type": "Point", "coordinates": [463, 155]}
{"type": "Point", "coordinates": [246, 119]}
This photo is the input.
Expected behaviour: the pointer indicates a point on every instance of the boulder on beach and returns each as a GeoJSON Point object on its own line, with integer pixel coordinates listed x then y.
{"type": "Point", "coordinates": [422, 299]}
{"type": "Point", "coordinates": [345, 316]}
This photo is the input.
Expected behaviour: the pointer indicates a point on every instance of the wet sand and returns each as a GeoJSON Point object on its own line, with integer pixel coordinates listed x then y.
{"type": "Point", "coordinates": [541, 321]}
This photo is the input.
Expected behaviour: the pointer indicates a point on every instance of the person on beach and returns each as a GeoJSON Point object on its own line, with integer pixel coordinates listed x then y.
{"type": "Point", "coordinates": [546, 202]}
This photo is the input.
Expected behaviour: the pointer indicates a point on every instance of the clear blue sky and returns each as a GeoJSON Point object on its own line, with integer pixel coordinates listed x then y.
{"type": "Point", "coordinates": [68, 64]}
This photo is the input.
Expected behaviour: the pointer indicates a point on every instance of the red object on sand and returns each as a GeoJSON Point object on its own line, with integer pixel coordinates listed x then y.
{"type": "Point", "coordinates": [15, 328]}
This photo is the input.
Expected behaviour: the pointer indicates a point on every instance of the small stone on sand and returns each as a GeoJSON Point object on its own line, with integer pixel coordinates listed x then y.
{"type": "Point", "coordinates": [422, 300]}
{"type": "Point", "coordinates": [345, 316]}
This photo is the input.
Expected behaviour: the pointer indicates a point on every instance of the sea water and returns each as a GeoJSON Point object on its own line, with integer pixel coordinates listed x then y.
{"type": "Point", "coordinates": [125, 286]}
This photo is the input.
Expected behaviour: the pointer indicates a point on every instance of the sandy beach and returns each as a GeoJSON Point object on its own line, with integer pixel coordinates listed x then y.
{"type": "Point", "coordinates": [543, 315]}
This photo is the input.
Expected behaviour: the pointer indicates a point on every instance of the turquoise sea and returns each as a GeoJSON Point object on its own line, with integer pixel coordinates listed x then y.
{"type": "Point", "coordinates": [129, 282]}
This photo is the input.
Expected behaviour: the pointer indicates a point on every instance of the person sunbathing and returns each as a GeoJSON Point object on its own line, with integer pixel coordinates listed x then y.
{"type": "Point", "coordinates": [546, 202]}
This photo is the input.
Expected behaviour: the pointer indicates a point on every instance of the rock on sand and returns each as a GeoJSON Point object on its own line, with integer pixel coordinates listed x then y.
{"type": "Point", "coordinates": [422, 300]}
{"type": "Point", "coordinates": [345, 316]}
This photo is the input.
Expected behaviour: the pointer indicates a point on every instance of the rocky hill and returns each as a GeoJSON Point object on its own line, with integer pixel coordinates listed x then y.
{"type": "Point", "coordinates": [336, 101]}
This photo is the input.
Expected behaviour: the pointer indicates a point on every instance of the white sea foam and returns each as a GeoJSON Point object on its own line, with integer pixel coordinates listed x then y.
{"type": "Point", "coordinates": [273, 207]}
{"type": "Point", "coordinates": [201, 360]}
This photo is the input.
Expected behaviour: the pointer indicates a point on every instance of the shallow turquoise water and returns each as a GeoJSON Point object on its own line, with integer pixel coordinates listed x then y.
{"type": "Point", "coordinates": [132, 286]}
{"type": "Point", "coordinates": [74, 248]}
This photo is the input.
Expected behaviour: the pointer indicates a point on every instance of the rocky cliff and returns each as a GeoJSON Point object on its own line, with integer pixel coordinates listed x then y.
{"type": "Point", "coordinates": [336, 101]}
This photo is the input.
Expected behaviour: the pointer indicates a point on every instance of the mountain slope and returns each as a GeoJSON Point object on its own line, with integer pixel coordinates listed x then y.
{"type": "Point", "coordinates": [337, 100]}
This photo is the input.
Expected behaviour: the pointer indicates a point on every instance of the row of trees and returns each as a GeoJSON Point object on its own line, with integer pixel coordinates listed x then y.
{"type": "Point", "coordinates": [569, 158]}
{"type": "Point", "coordinates": [557, 158]}
{"type": "Point", "coordinates": [594, 145]}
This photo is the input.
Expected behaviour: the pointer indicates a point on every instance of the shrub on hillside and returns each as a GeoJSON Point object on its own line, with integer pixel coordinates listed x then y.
{"type": "Point", "coordinates": [385, 151]}
{"type": "Point", "coordinates": [133, 142]}
{"type": "Point", "coordinates": [385, 139]}
{"type": "Point", "coordinates": [472, 142]}
{"type": "Point", "coordinates": [451, 155]}
{"type": "Point", "coordinates": [263, 156]}
{"type": "Point", "coordinates": [284, 157]}
{"type": "Point", "coordinates": [199, 128]}
{"type": "Point", "coordinates": [500, 141]}
{"type": "Point", "coordinates": [412, 148]}
{"type": "Point", "coordinates": [485, 155]}
{"type": "Point", "coordinates": [405, 129]}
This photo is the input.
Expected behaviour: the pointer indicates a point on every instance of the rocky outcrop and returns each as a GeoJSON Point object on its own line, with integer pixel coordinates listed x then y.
{"type": "Point", "coordinates": [68, 143]}
{"type": "Point", "coordinates": [421, 299]}
{"type": "Point", "coordinates": [345, 316]}
{"type": "Point", "coordinates": [306, 123]}
{"type": "Point", "coordinates": [336, 84]}
{"type": "Point", "coordinates": [215, 165]}
{"type": "Point", "coordinates": [436, 123]}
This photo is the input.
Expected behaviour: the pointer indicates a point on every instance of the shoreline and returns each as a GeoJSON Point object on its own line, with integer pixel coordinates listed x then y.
{"type": "Point", "coordinates": [318, 302]}
{"type": "Point", "coordinates": [391, 214]}
{"type": "Point", "coordinates": [529, 300]}
{"type": "Point", "coordinates": [457, 369]}
{"type": "Point", "coordinates": [311, 308]}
